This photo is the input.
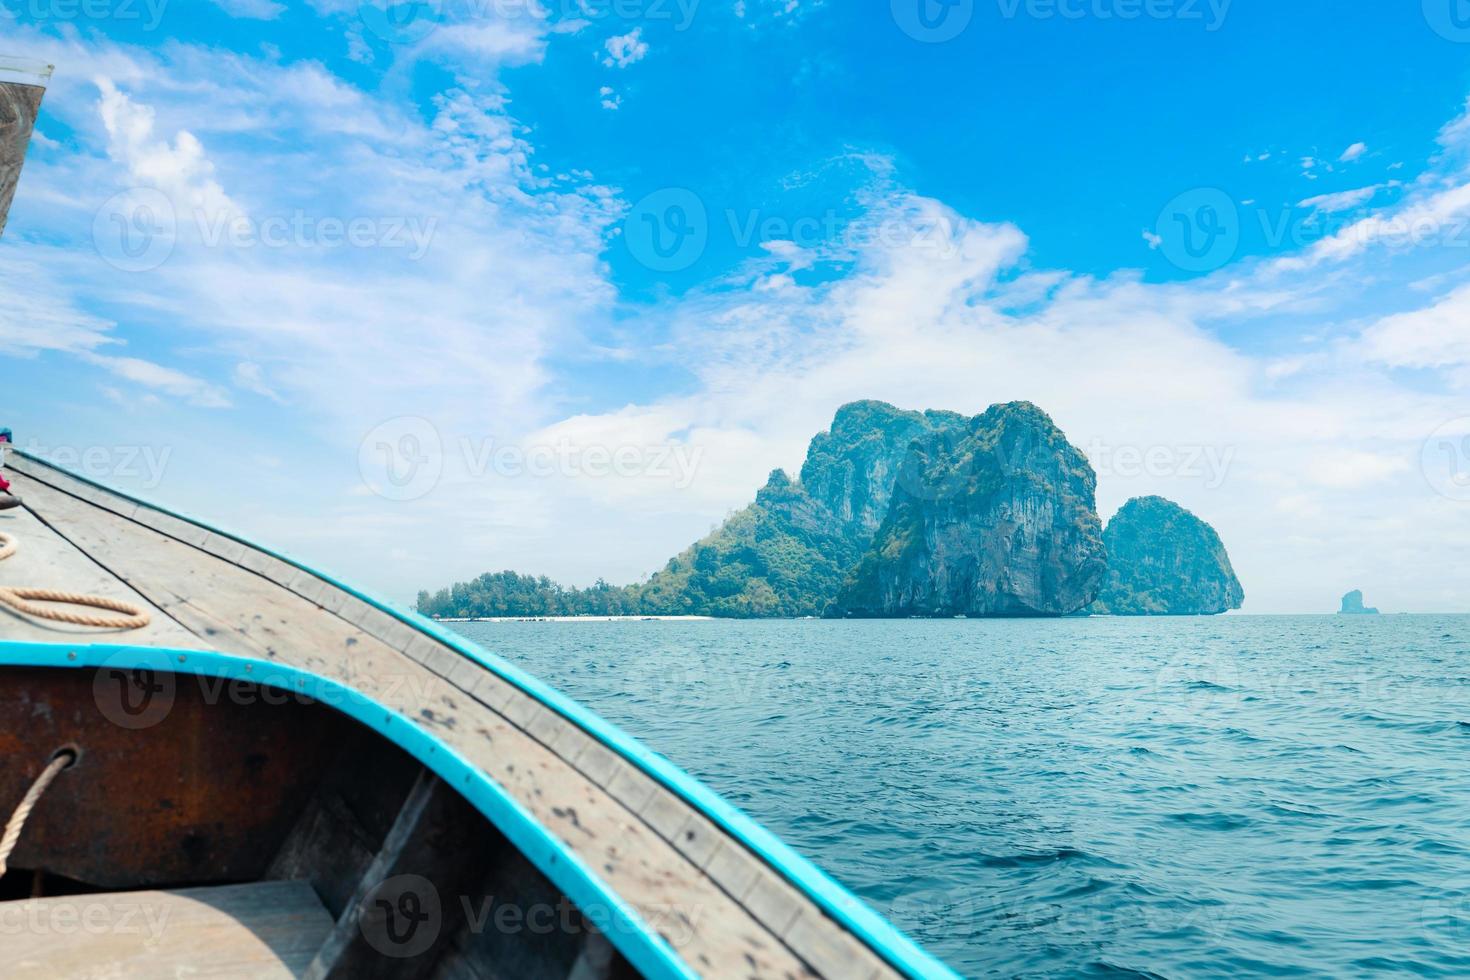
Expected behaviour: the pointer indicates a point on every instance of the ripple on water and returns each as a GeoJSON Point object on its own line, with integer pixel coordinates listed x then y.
{"type": "Point", "coordinates": [1242, 796]}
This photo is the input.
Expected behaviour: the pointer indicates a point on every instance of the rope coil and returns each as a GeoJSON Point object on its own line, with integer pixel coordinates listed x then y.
{"type": "Point", "coordinates": [60, 761]}
{"type": "Point", "coordinates": [25, 601]}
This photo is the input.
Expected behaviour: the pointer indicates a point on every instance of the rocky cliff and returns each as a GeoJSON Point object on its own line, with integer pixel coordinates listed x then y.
{"type": "Point", "coordinates": [784, 555]}
{"type": "Point", "coordinates": [995, 518]}
{"type": "Point", "coordinates": [851, 468]}
{"type": "Point", "coordinates": [1164, 561]}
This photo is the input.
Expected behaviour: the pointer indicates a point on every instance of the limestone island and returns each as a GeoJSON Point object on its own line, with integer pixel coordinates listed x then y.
{"type": "Point", "coordinates": [899, 514]}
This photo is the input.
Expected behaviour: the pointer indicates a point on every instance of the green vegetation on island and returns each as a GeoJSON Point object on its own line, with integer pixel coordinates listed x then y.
{"type": "Point", "coordinates": [1164, 561]}
{"type": "Point", "coordinates": [902, 513]}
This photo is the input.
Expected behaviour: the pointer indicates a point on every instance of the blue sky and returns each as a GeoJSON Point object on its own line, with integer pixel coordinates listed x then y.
{"type": "Point", "coordinates": [426, 290]}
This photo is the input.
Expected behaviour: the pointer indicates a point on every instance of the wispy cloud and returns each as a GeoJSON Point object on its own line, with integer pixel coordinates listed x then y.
{"type": "Point", "coordinates": [625, 49]}
{"type": "Point", "coordinates": [1342, 200]}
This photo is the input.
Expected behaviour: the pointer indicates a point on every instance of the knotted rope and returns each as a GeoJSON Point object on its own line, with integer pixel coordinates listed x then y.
{"type": "Point", "coordinates": [25, 601]}
{"type": "Point", "coordinates": [17, 823]}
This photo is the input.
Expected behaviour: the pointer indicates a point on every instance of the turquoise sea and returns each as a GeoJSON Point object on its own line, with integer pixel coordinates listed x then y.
{"type": "Point", "coordinates": [1262, 796]}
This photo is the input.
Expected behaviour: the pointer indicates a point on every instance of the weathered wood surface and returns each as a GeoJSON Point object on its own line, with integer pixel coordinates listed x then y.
{"type": "Point", "coordinates": [720, 906]}
{"type": "Point", "coordinates": [19, 105]}
{"type": "Point", "coordinates": [265, 930]}
{"type": "Point", "coordinates": [431, 851]}
{"type": "Point", "coordinates": [46, 561]}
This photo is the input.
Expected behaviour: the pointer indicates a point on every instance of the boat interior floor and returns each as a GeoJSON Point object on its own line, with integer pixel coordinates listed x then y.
{"type": "Point", "coordinates": [267, 929]}
{"type": "Point", "coordinates": [249, 831]}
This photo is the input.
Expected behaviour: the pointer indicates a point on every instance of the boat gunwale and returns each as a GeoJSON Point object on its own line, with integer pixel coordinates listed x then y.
{"type": "Point", "coordinates": [644, 948]}
{"type": "Point", "coordinates": [832, 898]}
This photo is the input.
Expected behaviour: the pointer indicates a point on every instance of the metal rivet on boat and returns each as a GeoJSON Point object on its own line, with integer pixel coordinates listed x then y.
{"type": "Point", "coordinates": [71, 655]}
{"type": "Point", "coordinates": [181, 658]}
{"type": "Point", "coordinates": [249, 668]}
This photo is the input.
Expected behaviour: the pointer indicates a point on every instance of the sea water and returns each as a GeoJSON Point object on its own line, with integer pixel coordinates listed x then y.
{"type": "Point", "coordinates": [1241, 795]}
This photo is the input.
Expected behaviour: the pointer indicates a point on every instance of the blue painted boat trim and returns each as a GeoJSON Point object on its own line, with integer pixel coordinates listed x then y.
{"type": "Point", "coordinates": [627, 930]}
{"type": "Point", "coordinates": [898, 950]}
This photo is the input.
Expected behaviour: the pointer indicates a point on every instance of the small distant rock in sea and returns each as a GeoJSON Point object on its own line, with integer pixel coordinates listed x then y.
{"type": "Point", "coordinates": [1352, 605]}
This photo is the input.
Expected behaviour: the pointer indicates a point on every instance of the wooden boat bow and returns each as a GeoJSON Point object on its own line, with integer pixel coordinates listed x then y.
{"type": "Point", "coordinates": [404, 753]}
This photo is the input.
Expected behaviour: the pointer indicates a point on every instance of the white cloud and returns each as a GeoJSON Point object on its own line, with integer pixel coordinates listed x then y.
{"type": "Point", "coordinates": [1154, 239]}
{"type": "Point", "coordinates": [179, 169]}
{"type": "Point", "coordinates": [1436, 336]}
{"type": "Point", "coordinates": [251, 377]}
{"type": "Point", "coordinates": [1342, 200]}
{"type": "Point", "coordinates": [347, 337]}
{"type": "Point", "coordinates": [757, 11]}
{"type": "Point", "coordinates": [1353, 152]}
{"type": "Point", "coordinates": [944, 314]}
{"type": "Point", "coordinates": [1353, 469]}
{"type": "Point", "coordinates": [168, 380]}
{"type": "Point", "coordinates": [610, 99]}
{"type": "Point", "coordinates": [38, 313]}
{"type": "Point", "coordinates": [916, 304]}
{"type": "Point", "coordinates": [625, 49]}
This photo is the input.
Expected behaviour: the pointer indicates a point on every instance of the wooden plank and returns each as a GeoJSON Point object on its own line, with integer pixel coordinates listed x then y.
{"type": "Point", "coordinates": [404, 910]}
{"type": "Point", "coordinates": [667, 877]}
{"type": "Point", "coordinates": [266, 929]}
{"type": "Point", "coordinates": [45, 560]}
